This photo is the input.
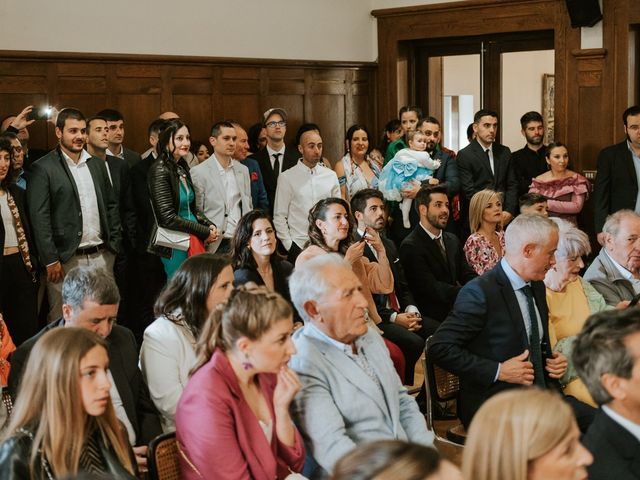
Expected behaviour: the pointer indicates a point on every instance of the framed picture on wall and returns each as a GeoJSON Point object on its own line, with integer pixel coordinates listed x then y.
{"type": "Point", "coordinates": [548, 106]}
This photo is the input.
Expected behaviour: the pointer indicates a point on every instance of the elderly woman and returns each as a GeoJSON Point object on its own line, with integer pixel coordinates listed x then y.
{"type": "Point", "coordinates": [566, 190]}
{"type": "Point", "coordinates": [485, 246]}
{"type": "Point", "coordinates": [534, 437]}
{"type": "Point", "coordinates": [360, 167]}
{"type": "Point", "coordinates": [571, 300]}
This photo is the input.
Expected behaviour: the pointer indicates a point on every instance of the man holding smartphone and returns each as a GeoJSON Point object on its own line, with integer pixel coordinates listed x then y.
{"type": "Point", "coordinates": [18, 124]}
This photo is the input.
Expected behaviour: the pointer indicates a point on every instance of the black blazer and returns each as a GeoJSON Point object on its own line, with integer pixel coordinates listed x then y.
{"type": "Point", "coordinates": [123, 364]}
{"type": "Point", "coordinates": [475, 174]}
{"type": "Point", "coordinates": [291, 157]}
{"type": "Point", "coordinates": [131, 157]}
{"type": "Point", "coordinates": [145, 221]}
{"type": "Point", "coordinates": [19, 197]}
{"type": "Point", "coordinates": [54, 207]}
{"type": "Point", "coordinates": [282, 270]}
{"type": "Point", "coordinates": [485, 328]}
{"type": "Point", "coordinates": [433, 282]}
{"type": "Point", "coordinates": [121, 181]}
{"type": "Point", "coordinates": [447, 172]}
{"type": "Point", "coordinates": [400, 285]}
{"type": "Point", "coordinates": [616, 185]}
{"type": "Point", "coordinates": [616, 452]}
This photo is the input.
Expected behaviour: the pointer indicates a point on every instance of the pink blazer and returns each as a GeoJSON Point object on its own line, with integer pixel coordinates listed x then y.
{"type": "Point", "coordinates": [220, 436]}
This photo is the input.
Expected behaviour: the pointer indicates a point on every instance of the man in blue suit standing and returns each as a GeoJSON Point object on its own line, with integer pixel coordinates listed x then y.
{"type": "Point", "coordinates": [350, 392]}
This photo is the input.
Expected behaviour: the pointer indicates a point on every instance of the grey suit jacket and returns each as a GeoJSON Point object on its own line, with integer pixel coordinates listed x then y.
{"type": "Point", "coordinates": [606, 279]}
{"type": "Point", "coordinates": [340, 406]}
{"type": "Point", "coordinates": [211, 195]}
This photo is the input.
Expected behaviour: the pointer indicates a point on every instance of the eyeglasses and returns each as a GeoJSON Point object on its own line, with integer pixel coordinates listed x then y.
{"type": "Point", "coordinates": [281, 123]}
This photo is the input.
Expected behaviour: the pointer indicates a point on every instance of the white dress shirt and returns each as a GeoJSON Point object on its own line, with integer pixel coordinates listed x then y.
{"type": "Point", "coordinates": [299, 189]}
{"type": "Point", "coordinates": [121, 413]}
{"type": "Point", "coordinates": [91, 231]}
{"type": "Point", "coordinates": [233, 198]}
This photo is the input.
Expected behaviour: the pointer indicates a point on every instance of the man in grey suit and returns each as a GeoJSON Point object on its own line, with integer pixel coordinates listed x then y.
{"type": "Point", "coordinates": [223, 187]}
{"type": "Point", "coordinates": [73, 209]}
{"type": "Point", "coordinates": [615, 272]}
{"type": "Point", "coordinates": [350, 391]}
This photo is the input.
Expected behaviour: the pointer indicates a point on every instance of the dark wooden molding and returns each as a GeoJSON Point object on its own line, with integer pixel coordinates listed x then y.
{"type": "Point", "coordinates": [449, 7]}
{"type": "Point", "coordinates": [586, 53]}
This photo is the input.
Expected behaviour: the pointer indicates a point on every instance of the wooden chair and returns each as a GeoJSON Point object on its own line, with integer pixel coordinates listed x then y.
{"type": "Point", "coordinates": [163, 460]}
{"type": "Point", "coordinates": [442, 386]}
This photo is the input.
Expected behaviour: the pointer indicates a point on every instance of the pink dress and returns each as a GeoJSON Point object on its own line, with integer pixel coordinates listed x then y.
{"type": "Point", "coordinates": [566, 196]}
{"type": "Point", "coordinates": [481, 256]}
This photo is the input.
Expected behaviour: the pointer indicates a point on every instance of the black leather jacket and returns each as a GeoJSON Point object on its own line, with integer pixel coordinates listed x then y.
{"type": "Point", "coordinates": [164, 188]}
{"type": "Point", "coordinates": [15, 455]}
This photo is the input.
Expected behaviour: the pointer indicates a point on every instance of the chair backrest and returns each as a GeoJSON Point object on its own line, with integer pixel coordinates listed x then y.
{"type": "Point", "coordinates": [443, 385]}
{"type": "Point", "coordinates": [163, 460]}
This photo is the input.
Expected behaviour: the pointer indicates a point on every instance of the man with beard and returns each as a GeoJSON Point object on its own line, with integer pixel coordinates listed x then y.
{"type": "Point", "coordinates": [74, 212]}
{"type": "Point", "coordinates": [616, 186]}
{"type": "Point", "coordinates": [433, 260]}
{"type": "Point", "coordinates": [529, 162]}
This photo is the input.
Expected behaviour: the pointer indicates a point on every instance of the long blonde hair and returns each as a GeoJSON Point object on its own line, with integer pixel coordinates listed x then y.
{"type": "Point", "coordinates": [477, 205]}
{"type": "Point", "coordinates": [525, 424]}
{"type": "Point", "coordinates": [49, 403]}
{"type": "Point", "coordinates": [249, 312]}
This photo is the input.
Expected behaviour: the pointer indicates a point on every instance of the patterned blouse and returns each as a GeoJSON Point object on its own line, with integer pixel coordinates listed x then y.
{"type": "Point", "coordinates": [481, 256]}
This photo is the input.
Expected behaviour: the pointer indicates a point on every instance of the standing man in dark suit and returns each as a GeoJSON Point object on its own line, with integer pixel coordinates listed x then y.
{"type": "Point", "coordinates": [530, 161]}
{"type": "Point", "coordinates": [618, 178]}
{"type": "Point", "coordinates": [74, 212]}
{"type": "Point", "coordinates": [433, 260]}
{"type": "Point", "coordinates": [401, 322]}
{"type": "Point", "coordinates": [115, 136]}
{"type": "Point", "coordinates": [275, 158]}
{"type": "Point", "coordinates": [497, 335]}
{"type": "Point", "coordinates": [90, 300]}
{"type": "Point", "coordinates": [487, 164]}
{"type": "Point", "coordinates": [606, 355]}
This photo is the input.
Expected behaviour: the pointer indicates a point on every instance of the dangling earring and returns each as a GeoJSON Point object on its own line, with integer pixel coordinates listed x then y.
{"type": "Point", "coordinates": [247, 365]}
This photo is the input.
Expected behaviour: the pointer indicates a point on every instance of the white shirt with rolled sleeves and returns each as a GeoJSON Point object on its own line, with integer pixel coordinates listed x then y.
{"type": "Point", "coordinates": [299, 189]}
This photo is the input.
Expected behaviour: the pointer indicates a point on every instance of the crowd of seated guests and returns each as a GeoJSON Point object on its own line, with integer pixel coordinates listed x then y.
{"type": "Point", "coordinates": [301, 370]}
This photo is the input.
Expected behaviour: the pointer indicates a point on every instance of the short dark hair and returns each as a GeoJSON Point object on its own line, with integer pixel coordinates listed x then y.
{"type": "Point", "coordinates": [530, 199]}
{"type": "Point", "coordinates": [217, 127]}
{"type": "Point", "coordinates": [72, 113]}
{"type": "Point", "coordinates": [360, 199]}
{"type": "Point", "coordinates": [95, 117]}
{"type": "Point", "coordinates": [429, 119]}
{"type": "Point", "coordinates": [484, 113]}
{"type": "Point", "coordinates": [529, 117]}
{"type": "Point", "coordinates": [254, 134]}
{"type": "Point", "coordinates": [110, 115]}
{"type": "Point", "coordinates": [629, 112]}
{"type": "Point", "coordinates": [188, 289]}
{"type": "Point", "coordinates": [5, 146]}
{"type": "Point", "coordinates": [551, 146]}
{"type": "Point", "coordinates": [470, 132]}
{"type": "Point", "coordinates": [423, 197]}
{"type": "Point", "coordinates": [410, 108]}
{"type": "Point", "coordinates": [156, 126]}
{"type": "Point", "coordinates": [599, 348]}
{"type": "Point", "coordinates": [304, 128]}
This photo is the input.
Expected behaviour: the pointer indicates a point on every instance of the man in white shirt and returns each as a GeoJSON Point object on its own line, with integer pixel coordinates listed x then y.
{"type": "Point", "coordinates": [299, 189]}
{"type": "Point", "coordinates": [615, 272]}
{"type": "Point", "coordinates": [223, 187]}
{"type": "Point", "coordinates": [73, 208]}
{"type": "Point", "coordinates": [606, 355]}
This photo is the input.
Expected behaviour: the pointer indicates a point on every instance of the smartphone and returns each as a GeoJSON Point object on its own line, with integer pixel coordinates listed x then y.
{"type": "Point", "coordinates": [634, 301]}
{"type": "Point", "coordinates": [41, 113]}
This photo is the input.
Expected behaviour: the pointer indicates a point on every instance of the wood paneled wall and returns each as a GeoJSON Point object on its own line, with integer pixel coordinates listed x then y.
{"type": "Point", "coordinates": [201, 90]}
{"type": "Point", "coordinates": [590, 86]}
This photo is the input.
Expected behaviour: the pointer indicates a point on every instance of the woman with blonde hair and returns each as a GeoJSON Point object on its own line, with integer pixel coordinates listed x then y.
{"type": "Point", "coordinates": [534, 436]}
{"type": "Point", "coordinates": [233, 418]}
{"type": "Point", "coordinates": [485, 246]}
{"type": "Point", "coordinates": [63, 422]}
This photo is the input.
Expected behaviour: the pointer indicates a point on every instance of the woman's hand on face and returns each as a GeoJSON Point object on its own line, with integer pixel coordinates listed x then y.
{"type": "Point", "coordinates": [213, 234]}
{"type": "Point", "coordinates": [354, 252]}
{"type": "Point", "coordinates": [286, 389]}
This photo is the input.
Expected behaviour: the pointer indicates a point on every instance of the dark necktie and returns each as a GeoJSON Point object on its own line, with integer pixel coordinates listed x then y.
{"type": "Point", "coordinates": [489, 159]}
{"type": "Point", "coordinates": [440, 243]}
{"type": "Point", "coordinates": [535, 351]}
{"type": "Point", "coordinates": [276, 164]}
